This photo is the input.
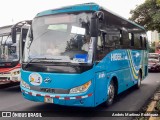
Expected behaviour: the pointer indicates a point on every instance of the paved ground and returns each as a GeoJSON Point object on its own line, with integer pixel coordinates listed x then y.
{"type": "Point", "coordinates": [131, 100]}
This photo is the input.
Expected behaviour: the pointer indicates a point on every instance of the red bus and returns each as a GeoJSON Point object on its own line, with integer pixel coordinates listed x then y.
{"type": "Point", "coordinates": [11, 51]}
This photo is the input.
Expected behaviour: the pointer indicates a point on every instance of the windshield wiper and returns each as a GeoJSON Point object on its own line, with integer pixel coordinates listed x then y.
{"type": "Point", "coordinates": [48, 60]}
{"type": "Point", "coordinates": [34, 59]}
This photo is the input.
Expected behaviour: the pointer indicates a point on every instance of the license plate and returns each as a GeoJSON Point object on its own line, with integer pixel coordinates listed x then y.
{"type": "Point", "coordinates": [48, 100]}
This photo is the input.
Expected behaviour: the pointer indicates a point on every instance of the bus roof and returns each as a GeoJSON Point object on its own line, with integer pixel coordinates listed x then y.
{"type": "Point", "coordinates": [5, 29]}
{"type": "Point", "coordinates": [74, 8]}
{"type": "Point", "coordinates": [84, 7]}
{"type": "Point", "coordinates": [124, 19]}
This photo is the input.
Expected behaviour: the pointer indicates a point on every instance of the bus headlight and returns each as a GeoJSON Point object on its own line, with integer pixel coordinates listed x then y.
{"type": "Point", "coordinates": [25, 85]}
{"type": "Point", "coordinates": [16, 72]}
{"type": "Point", "coordinates": [81, 88]}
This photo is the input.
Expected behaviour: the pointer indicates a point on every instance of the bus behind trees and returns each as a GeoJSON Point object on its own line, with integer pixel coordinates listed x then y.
{"type": "Point", "coordinates": [10, 51]}
{"type": "Point", "coordinates": [82, 55]}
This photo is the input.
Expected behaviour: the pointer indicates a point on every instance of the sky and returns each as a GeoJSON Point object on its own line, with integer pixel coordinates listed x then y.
{"type": "Point", "coordinates": [12, 11]}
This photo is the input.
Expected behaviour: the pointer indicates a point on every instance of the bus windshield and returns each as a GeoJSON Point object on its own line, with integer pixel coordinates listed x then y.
{"type": "Point", "coordinates": [60, 38]}
{"type": "Point", "coordinates": [9, 52]}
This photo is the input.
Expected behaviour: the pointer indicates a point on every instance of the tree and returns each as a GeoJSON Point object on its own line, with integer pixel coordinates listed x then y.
{"type": "Point", "coordinates": [152, 47]}
{"type": "Point", "coordinates": [147, 15]}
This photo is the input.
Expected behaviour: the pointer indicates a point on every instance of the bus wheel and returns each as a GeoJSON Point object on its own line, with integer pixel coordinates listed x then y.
{"type": "Point", "coordinates": [111, 93]}
{"type": "Point", "coordinates": [138, 85]}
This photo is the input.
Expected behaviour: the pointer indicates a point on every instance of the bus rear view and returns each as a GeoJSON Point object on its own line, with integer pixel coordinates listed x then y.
{"type": "Point", "coordinates": [64, 60]}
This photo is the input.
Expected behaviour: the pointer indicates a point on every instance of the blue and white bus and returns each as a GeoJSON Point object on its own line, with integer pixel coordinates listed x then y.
{"type": "Point", "coordinates": [82, 55]}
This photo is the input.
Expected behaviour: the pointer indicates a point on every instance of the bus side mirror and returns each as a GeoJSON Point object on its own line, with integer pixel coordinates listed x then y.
{"type": "Point", "coordinates": [13, 34]}
{"type": "Point", "coordinates": [97, 18]}
{"type": "Point", "coordinates": [94, 27]}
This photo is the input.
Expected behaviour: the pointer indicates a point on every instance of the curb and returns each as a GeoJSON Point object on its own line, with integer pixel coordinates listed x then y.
{"type": "Point", "coordinates": [152, 105]}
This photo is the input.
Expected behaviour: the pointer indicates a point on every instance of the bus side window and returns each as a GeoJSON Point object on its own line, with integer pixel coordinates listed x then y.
{"type": "Point", "coordinates": [145, 43]}
{"type": "Point", "coordinates": [137, 41]}
{"type": "Point", "coordinates": [131, 38]}
{"type": "Point", "coordinates": [141, 42]}
{"type": "Point", "coordinates": [125, 37]}
{"type": "Point", "coordinates": [121, 38]}
{"type": "Point", "coordinates": [100, 46]}
{"type": "Point", "coordinates": [0, 40]}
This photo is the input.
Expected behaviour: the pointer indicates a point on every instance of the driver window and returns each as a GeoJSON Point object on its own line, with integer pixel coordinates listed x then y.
{"type": "Point", "coordinates": [100, 46]}
{"type": "Point", "coordinates": [99, 43]}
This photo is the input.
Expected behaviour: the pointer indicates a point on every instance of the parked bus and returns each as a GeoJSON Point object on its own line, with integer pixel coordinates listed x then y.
{"type": "Point", "coordinates": [82, 55]}
{"type": "Point", "coordinates": [10, 52]}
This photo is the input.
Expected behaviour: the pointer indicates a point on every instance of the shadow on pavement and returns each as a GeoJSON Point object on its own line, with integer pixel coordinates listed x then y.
{"type": "Point", "coordinates": [10, 87]}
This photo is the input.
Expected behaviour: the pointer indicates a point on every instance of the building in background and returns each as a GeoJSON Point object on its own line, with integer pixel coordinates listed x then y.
{"type": "Point", "coordinates": [155, 37]}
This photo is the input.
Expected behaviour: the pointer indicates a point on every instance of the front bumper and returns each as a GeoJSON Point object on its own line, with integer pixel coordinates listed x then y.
{"type": "Point", "coordinates": [81, 100]}
{"type": "Point", "coordinates": [9, 78]}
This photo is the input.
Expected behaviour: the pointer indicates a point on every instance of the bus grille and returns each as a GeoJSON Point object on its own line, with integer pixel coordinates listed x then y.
{"type": "Point", "coordinates": [50, 90]}
{"type": "Point", "coordinates": [4, 78]}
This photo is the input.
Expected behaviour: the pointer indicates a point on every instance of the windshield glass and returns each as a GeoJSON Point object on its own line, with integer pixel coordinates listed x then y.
{"type": "Point", "coordinates": [9, 52]}
{"type": "Point", "coordinates": [60, 38]}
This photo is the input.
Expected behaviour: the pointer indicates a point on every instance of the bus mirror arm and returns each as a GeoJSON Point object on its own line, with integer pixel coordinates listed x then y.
{"type": "Point", "coordinates": [18, 25]}
{"type": "Point", "coordinates": [13, 34]}
{"type": "Point", "coordinates": [99, 15]}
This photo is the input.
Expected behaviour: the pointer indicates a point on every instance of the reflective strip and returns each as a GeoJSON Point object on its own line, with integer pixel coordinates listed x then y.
{"type": "Point", "coordinates": [58, 97]}
{"type": "Point", "coordinates": [78, 97]}
{"type": "Point", "coordinates": [52, 96]}
{"type": "Point", "coordinates": [72, 98]}
{"type": "Point", "coordinates": [38, 94]}
{"type": "Point", "coordinates": [30, 93]}
{"type": "Point", "coordinates": [90, 94]}
{"type": "Point", "coordinates": [23, 91]}
{"type": "Point", "coordinates": [61, 98]}
{"type": "Point", "coordinates": [42, 94]}
{"type": "Point", "coordinates": [85, 96]}
{"type": "Point", "coordinates": [47, 96]}
{"type": "Point", "coordinates": [34, 94]}
{"type": "Point", "coordinates": [67, 98]}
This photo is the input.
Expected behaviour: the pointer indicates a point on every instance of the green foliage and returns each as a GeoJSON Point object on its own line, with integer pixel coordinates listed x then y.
{"type": "Point", "coordinates": [147, 15]}
{"type": "Point", "coordinates": [158, 105]}
{"type": "Point", "coordinates": [158, 2]}
{"type": "Point", "coordinates": [153, 44]}
{"type": "Point", "coordinates": [152, 47]}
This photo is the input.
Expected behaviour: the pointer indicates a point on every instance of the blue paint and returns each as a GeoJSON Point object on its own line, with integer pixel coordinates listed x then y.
{"type": "Point", "coordinates": [120, 69]}
{"type": "Point", "coordinates": [76, 8]}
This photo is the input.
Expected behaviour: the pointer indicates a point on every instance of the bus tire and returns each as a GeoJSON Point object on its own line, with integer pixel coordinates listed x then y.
{"type": "Point", "coordinates": [111, 93]}
{"type": "Point", "coordinates": [138, 85]}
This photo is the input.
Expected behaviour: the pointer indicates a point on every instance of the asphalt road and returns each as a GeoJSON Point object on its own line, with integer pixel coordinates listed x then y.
{"type": "Point", "coordinates": [131, 100]}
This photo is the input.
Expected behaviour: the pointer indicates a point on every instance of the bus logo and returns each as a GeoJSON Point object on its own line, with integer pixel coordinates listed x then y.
{"type": "Point", "coordinates": [116, 57]}
{"type": "Point", "coordinates": [35, 79]}
{"type": "Point", "coordinates": [47, 80]}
